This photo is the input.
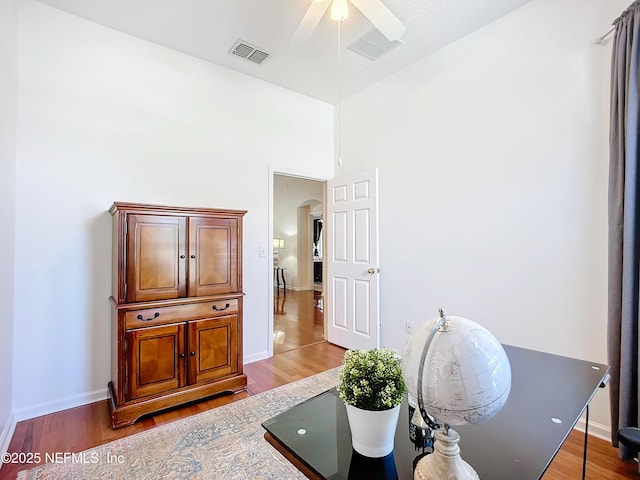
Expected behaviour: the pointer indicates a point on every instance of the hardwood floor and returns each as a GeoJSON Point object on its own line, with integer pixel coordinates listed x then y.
{"type": "Point", "coordinates": [84, 427]}
{"type": "Point", "coordinates": [602, 461]}
{"type": "Point", "coordinates": [298, 319]}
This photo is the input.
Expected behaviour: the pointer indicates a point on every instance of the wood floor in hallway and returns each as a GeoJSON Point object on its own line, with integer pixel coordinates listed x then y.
{"type": "Point", "coordinates": [298, 319]}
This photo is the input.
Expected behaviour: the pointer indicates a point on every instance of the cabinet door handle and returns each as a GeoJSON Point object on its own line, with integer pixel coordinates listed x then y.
{"type": "Point", "coordinates": [215, 307]}
{"type": "Point", "coordinates": [193, 256]}
{"type": "Point", "coordinates": [182, 355]}
{"type": "Point", "coordinates": [193, 354]}
{"type": "Point", "coordinates": [155, 315]}
{"type": "Point", "coordinates": [182, 256]}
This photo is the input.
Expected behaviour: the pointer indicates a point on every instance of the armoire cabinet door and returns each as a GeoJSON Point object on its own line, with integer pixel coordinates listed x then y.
{"type": "Point", "coordinates": [156, 257]}
{"type": "Point", "coordinates": [213, 348]}
{"type": "Point", "coordinates": [213, 256]}
{"type": "Point", "coordinates": [155, 360]}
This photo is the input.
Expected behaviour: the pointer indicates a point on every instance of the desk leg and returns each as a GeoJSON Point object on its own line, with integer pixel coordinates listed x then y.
{"type": "Point", "coordinates": [586, 437]}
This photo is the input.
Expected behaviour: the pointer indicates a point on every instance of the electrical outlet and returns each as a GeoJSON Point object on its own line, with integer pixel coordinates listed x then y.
{"type": "Point", "coordinates": [262, 251]}
{"type": "Point", "coordinates": [409, 326]}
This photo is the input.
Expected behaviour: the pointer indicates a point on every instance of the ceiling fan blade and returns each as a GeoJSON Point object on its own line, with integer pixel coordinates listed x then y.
{"type": "Point", "coordinates": [309, 22]}
{"type": "Point", "coordinates": [381, 17]}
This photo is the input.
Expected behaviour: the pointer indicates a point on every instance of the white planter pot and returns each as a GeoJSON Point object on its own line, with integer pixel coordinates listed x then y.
{"type": "Point", "coordinates": [372, 432]}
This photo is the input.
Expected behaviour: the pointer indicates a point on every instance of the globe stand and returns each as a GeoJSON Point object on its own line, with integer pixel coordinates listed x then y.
{"type": "Point", "coordinates": [445, 463]}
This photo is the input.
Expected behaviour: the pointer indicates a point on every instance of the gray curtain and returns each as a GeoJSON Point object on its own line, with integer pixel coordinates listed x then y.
{"type": "Point", "coordinates": [624, 225]}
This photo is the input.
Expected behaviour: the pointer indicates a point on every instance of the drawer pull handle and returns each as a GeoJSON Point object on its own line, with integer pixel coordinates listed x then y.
{"type": "Point", "coordinates": [215, 307]}
{"type": "Point", "coordinates": [155, 315]}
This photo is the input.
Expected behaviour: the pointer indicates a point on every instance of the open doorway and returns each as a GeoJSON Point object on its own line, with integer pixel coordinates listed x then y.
{"type": "Point", "coordinates": [298, 316]}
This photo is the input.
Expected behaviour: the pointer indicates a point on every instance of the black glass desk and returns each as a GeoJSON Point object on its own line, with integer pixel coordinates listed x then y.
{"type": "Point", "coordinates": [548, 395]}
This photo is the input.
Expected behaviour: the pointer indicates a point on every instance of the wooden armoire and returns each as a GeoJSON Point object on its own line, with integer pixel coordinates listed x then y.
{"type": "Point", "coordinates": [176, 324]}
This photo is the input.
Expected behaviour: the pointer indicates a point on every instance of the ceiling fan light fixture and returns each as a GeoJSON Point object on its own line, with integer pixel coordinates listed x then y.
{"type": "Point", "coordinates": [339, 10]}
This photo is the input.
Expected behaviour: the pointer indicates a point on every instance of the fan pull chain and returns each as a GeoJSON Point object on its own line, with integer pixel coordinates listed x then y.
{"type": "Point", "coordinates": [339, 93]}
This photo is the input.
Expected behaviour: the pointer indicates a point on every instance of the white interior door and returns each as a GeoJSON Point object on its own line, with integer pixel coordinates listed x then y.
{"type": "Point", "coordinates": [351, 254]}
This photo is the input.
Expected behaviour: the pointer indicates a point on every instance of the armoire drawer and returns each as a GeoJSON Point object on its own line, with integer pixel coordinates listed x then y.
{"type": "Point", "coordinates": [161, 315]}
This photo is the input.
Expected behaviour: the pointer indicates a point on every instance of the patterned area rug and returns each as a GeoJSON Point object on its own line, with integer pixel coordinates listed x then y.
{"type": "Point", "coordinates": [224, 443]}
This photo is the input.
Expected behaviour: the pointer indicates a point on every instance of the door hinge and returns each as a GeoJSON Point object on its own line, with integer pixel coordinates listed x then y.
{"type": "Point", "coordinates": [125, 289]}
{"type": "Point", "coordinates": [125, 345]}
{"type": "Point", "coordinates": [126, 228]}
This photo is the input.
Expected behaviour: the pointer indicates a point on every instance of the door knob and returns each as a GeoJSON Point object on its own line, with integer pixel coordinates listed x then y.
{"type": "Point", "coordinates": [373, 270]}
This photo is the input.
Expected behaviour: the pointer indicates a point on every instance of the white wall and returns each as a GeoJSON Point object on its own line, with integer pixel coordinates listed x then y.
{"type": "Point", "coordinates": [495, 147]}
{"type": "Point", "coordinates": [493, 163]}
{"type": "Point", "coordinates": [289, 193]}
{"type": "Point", "coordinates": [8, 107]}
{"type": "Point", "coordinates": [102, 117]}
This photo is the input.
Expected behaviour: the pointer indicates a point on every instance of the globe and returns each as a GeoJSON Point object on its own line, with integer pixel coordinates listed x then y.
{"type": "Point", "coordinates": [467, 375]}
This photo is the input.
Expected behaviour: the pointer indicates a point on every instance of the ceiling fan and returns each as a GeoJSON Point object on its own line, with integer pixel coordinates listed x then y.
{"type": "Point", "coordinates": [377, 13]}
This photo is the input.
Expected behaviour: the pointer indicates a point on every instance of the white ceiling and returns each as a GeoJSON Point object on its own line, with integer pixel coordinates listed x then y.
{"type": "Point", "coordinates": [207, 29]}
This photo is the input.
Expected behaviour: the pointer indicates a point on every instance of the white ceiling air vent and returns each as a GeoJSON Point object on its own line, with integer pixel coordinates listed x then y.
{"type": "Point", "coordinates": [373, 45]}
{"type": "Point", "coordinates": [248, 51]}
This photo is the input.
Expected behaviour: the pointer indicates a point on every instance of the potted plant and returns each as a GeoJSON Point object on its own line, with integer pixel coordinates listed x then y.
{"type": "Point", "coordinates": [371, 385]}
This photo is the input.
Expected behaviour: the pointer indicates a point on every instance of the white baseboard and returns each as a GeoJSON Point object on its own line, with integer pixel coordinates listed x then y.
{"type": "Point", "coordinates": [596, 429]}
{"type": "Point", "coordinates": [255, 357]}
{"type": "Point", "coordinates": [317, 288]}
{"type": "Point", "coordinates": [82, 399]}
{"type": "Point", "coordinates": [61, 404]}
{"type": "Point", "coordinates": [7, 433]}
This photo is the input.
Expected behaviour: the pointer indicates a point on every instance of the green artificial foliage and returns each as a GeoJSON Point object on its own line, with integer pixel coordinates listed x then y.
{"type": "Point", "coordinates": [371, 379]}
